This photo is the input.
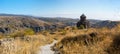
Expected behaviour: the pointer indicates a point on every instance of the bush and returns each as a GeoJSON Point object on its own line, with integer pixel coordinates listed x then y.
{"type": "Point", "coordinates": [17, 34]}
{"type": "Point", "coordinates": [22, 33]}
{"type": "Point", "coordinates": [81, 27]}
{"type": "Point", "coordinates": [63, 32]}
{"type": "Point", "coordinates": [29, 32]}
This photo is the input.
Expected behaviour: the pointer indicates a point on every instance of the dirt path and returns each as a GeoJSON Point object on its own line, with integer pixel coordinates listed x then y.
{"type": "Point", "coordinates": [47, 48]}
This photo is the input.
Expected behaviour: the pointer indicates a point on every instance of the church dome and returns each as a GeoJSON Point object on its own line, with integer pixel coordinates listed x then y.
{"type": "Point", "coordinates": [82, 16]}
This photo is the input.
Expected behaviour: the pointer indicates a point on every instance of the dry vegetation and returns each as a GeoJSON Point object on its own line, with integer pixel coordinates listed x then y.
{"type": "Point", "coordinates": [23, 42]}
{"type": "Point", "coordinates": [70, 41]}
{"type": "Point", "coordinates": [91, 41]}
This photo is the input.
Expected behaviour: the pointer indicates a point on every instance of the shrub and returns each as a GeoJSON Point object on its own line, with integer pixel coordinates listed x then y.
{"type": "Point", "coordinates": [81, 27]}
{"type": "Point", "coordinates": [17, 34]}
{"type": "Point", "coordinates": [63, 32]}
{"type": "Point", "coordinates": [29, 32]}
{"type": "Point", "coordinates": [22, 33]}
{"type": "Point", "coordinates": [74, 28]}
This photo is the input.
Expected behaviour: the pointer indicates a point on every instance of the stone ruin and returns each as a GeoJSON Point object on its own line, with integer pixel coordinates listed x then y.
{"type": "Point", "coordinates": [83, 23]}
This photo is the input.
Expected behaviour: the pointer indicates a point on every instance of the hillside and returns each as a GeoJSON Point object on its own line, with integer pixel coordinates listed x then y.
{"type": "Point", "coordinates": [72, 22]}
{"type": "Point", "coordinates": [107, 23]}
{"type": "Point", "coordinates": [10, 22]}
{"type": "Point", "coordinates": [69, 39]}
{"type": "Point", "coordinates": [91, 41]}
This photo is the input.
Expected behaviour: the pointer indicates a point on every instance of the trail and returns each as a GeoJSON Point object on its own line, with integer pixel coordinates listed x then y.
{"type": "Point", "coordinates": [47, 48]}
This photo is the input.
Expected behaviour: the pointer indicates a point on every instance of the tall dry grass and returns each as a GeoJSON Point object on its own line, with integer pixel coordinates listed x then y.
{"type": "Point", "coordinates": [70, 41]}
{"type": "Point", "coordinates": [91, 41]}
{"type": "Point", "coordinates": [23, 42]}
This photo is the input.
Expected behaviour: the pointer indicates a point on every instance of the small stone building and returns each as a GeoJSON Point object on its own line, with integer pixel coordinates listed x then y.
{"type": "Point", "coordinates": [83, 22]}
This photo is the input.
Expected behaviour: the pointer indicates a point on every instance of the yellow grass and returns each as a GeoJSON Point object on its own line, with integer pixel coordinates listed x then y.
{"type": "Point", "coordinates": [80, 42]}
{"type": "Point", "coordinates": [24, 45]}
{"type": "Point", "coordinates": [70, 41]}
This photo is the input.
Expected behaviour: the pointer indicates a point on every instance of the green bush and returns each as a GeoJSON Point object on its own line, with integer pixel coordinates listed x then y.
{"type": "Point", "coordinates": [29, 32]}
{"type": "Point", "coordinates": [22, 33]}
{"type": "Point", "coordinates": [81, 27]}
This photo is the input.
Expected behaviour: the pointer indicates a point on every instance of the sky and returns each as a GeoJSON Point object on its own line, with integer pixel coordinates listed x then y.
{"type": "Point", "coordinates": [93, 9]}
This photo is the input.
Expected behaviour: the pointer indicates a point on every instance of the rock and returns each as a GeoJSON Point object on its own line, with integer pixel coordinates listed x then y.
{"type": "Point", "coordinates": [2, 30]}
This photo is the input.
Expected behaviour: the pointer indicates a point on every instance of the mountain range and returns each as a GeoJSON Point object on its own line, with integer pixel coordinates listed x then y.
{"type": "Point", "coordinates": [11, 22]}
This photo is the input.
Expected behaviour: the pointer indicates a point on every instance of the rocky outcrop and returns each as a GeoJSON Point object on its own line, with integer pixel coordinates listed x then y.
{"type": "Point", "coordinates": [5, 30]}
{"type": "Point", "coordinates": [46, 27]}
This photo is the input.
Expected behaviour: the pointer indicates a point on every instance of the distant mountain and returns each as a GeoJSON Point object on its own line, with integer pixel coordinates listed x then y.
{"type": "Point", "coordinates": [2, 14]}
{"type": "Point", "coordinates": [72, 22]}
{"type": "Point", "coordinates": [93, 21]}
{"type": "Point", "coordinates": [11, 22]}
{"type": "Point", "coordinates": [52, 19]}
{"type": "Point", "coordinates": [64, 20]}
{"type": "Point", "coordinates": [107, 23]}
{"type": "Point", "coordinates": [67, 21]}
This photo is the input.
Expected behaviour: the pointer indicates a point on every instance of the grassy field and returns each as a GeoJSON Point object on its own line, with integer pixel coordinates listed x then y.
{"type": "Point", "coordinates": [23, 42]}
{"type": "Point", "coordinates": [91, 41]}
{"type": "Point", "coordinates": [70, 41]}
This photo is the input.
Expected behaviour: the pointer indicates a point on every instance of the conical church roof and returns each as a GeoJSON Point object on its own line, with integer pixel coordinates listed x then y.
{"type": "Point", "coordinates": [82, 16]}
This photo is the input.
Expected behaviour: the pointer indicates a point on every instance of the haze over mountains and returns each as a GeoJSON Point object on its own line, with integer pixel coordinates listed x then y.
{"type": "Point", "coordinates": [12, 22]}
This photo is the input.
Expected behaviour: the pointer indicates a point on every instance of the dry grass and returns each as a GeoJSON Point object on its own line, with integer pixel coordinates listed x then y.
{"type": "Point", "coordinates": [23, 43]}
{"type": "Point", "coordinates": [102, 41]}
{"type": "Point", "coordinates": [70, 41]}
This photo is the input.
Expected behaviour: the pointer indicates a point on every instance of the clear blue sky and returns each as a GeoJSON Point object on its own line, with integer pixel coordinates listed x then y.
{"type": "Point", "coordinates": [93, 9]}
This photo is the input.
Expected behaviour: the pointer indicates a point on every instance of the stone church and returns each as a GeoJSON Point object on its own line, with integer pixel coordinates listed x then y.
{"type": "Point", "coordinates": [83, 22]}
